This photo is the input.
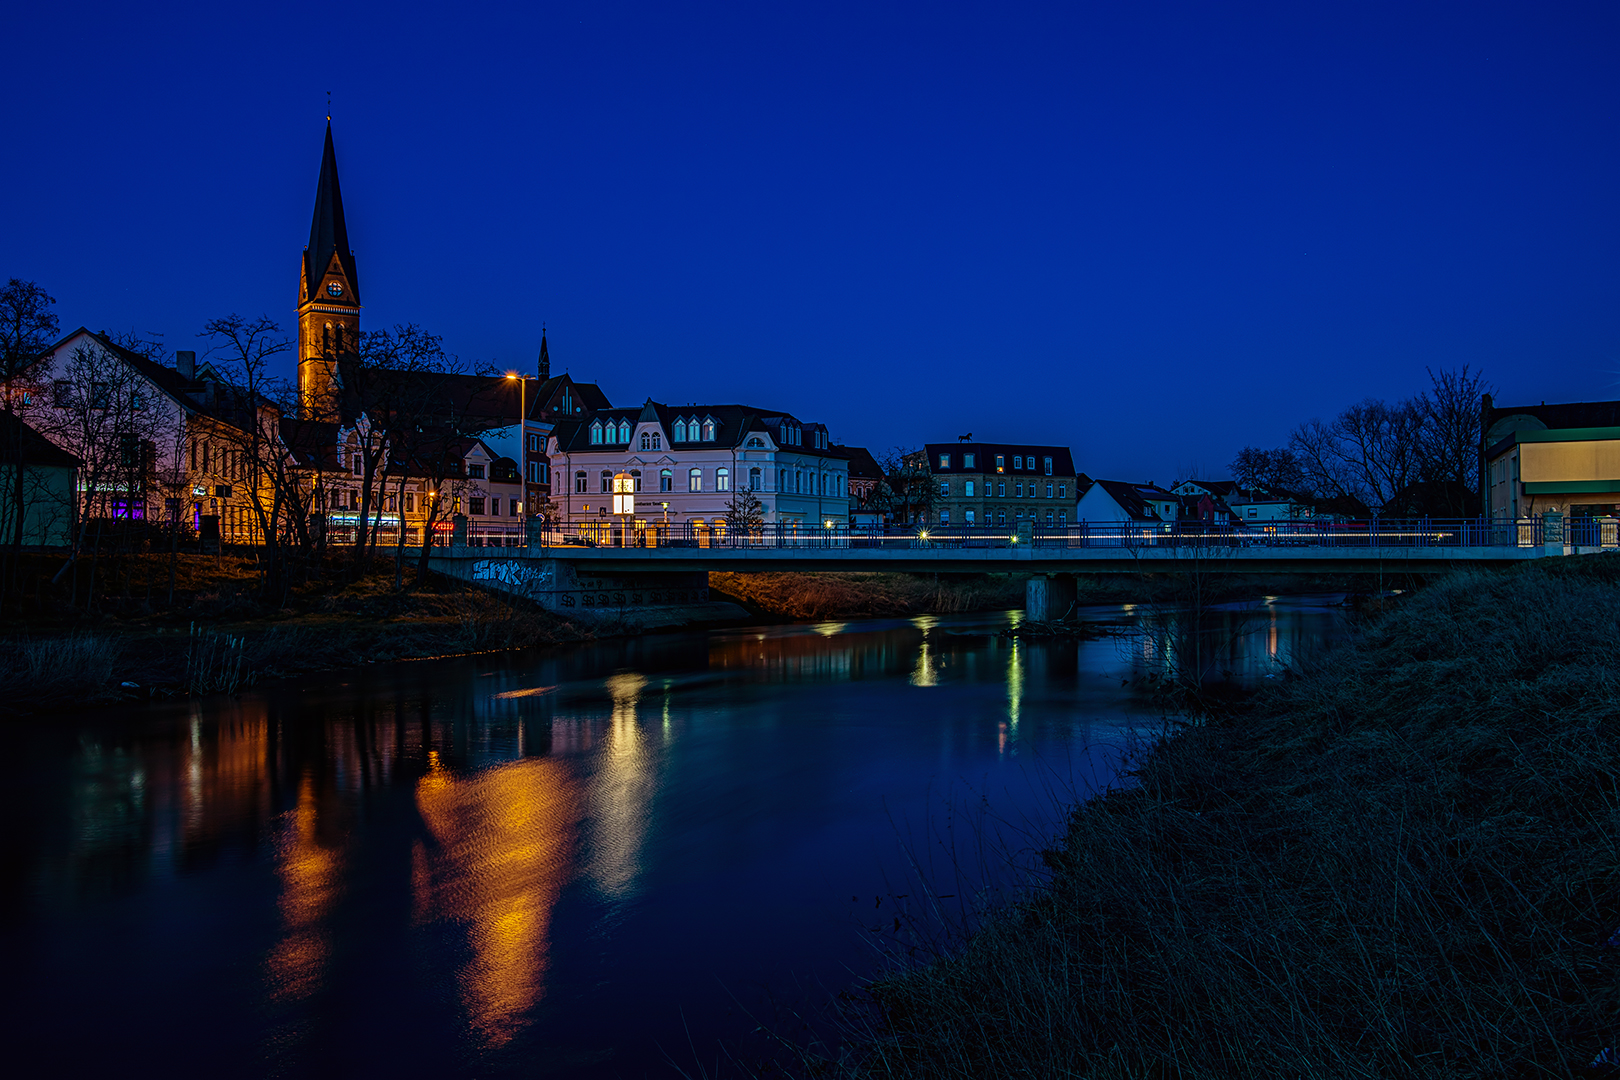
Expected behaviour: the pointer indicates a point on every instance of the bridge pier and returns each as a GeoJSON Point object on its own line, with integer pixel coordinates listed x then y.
{"type": "Point", "coordinates": [560, 585]}
{"type": "Point", "coordinates": [1048, 597]}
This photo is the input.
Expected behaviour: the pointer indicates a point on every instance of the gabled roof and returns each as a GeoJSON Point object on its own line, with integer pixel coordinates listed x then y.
{"type": "Point", "coordinates": [35, 448]}
{"type": "Point", "coordinates": [862, 465]}
{"type": "Point", "coordinates": [1132, 498]}
{"type": "Point", "coordinates": [1219, 488]}
{"type": "Point", "coordinates": [328, 233]}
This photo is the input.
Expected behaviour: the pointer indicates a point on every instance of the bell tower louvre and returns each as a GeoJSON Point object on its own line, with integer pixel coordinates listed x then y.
{"type": "Point", "coordinates": [328, 296]}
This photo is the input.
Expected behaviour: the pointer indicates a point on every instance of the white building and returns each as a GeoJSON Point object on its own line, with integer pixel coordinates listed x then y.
{"type": "Point", "coordinates": [689, 462]}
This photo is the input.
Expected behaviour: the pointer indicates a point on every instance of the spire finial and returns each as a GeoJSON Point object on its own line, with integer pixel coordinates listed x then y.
{"type": "Point", "coordinates": [329, 106]}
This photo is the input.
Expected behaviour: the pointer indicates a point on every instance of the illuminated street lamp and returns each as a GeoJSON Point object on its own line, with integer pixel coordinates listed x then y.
{"type": "Point", "coordinates": [523, 436]}
{"type": "Point", "coordinates": [624, 503]}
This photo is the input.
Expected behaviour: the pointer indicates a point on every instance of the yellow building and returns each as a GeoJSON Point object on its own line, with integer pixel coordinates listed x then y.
{"type": "Point", "coordinates": [1560, 458]}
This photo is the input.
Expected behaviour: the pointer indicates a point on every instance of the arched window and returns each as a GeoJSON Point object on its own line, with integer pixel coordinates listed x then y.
{"type": "Point", "coordinates": [340, 338]}
{"type": "Point", "coordinates": [781, 479]}
{"type": "Point", "coordinates": [646, 440]}
{"type": "Point", "coordinates": [722, 479]}
{"type": "Point", "coordinates": [694, 480]}
{"type": "Point", "coordinates": [607, 481]}
{"type": "Point", "coordinates": [658, 440]}
{"type": "Point", "coordinates": [624, 431]}
{"type": "Point", "coordinates": [708, 430]}
{"type": "Point", "coordinates": [753, 479]}
{"type": "Point", "coordinates": [596, 432]}
{"type": "Point", "coordinates": [680, 431]}
{"type": "Point", "coordinates": [636, 475]}
{"type": "Point", "coordinates": [326, 340]}
{"type": "Point", "coordinates": [756, 441]}
{"type": "Point", "coordinates": [666, 480]}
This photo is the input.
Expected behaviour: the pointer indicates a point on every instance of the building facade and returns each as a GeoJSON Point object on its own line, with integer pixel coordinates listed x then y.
{"type": "Point", "coordinates": [1560, 458]}
{"type": "Point", "coordinates": [1002, 484]}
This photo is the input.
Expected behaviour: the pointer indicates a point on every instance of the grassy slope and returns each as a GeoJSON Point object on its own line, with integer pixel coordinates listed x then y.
{"type": "Point", "coordinates": [839, 595]}
{"type": "Point", "coordinates": [1406, 863]}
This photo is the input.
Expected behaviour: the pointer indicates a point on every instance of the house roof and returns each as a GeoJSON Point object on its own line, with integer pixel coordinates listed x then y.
{"type": "Point", "coordinates": [862, 465]}
{"type": "Point", "coordinates": [328, 233]}
{"type": "Point", "coordinates": [1062, 460]}
{"type": "Point", "coordinates": [35, 449]}
{"type": "Point", "coordinates": [1573, 414]}
{"type": "Point", "coordinates": [1219, 488]}
{"type": "Point", "coordinates": [1133, 498]}
{"type": "Point", "coordinates": [733, 425]}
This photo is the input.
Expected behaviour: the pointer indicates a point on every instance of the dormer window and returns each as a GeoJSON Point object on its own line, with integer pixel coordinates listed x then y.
{"type": "Point", "coordinates": [475, 470]}
{"type": "Point", "coordinates": [1018, 461]}
{"type": "Point", "coordinates": [756, 443]}
{"type": "Point", "coordinates": [646, 440]}
{"type": "Point", "coordinates": [708, 429]}
{"type": "Point", "coordinates": [624, 432]}
{"type": "Point", "coordinates": [680, 431]}
{"type": "Point", "coordinates": [596, 433]}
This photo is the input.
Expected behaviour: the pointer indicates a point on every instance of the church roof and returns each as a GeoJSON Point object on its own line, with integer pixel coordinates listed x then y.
{"type": "Point", "coordinates": [328, 234]}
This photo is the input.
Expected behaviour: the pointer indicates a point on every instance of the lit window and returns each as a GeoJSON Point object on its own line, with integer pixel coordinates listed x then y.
{"type": "Point", "coordinates": [624, 431]}
{"type": "Point", "coordinates": [680, 431]}
{"type": "Point", "coordinates": [722, 479]}
{"type": "Point", "coordinates": [967, 488]}
{"type": "Point", "coordinates": [596, 434]}
{"type": "Point", "coordinates": [708, 431]}
{"type": "Point", "coordinates": [1048, 466]}
{"type": "Point", "coordinates": [944, 517]}
{"type": "Point", "coordinates": [967, 460]}
{"type": "Point", "coordinates": [944, 461]}
{"type": "Point", "coordinates": [666, 480]}
{"type": "Point", "coordinates": [1001, 462]}
{"type": "Point", "coordinates": [694, 480]}
{"type": "Point", "coordinates": [968, 517]}
{"type": "Point", "coordinates": [944, 487]}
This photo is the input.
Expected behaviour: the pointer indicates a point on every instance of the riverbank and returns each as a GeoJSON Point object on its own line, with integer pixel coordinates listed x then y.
{"type": "Point", "coordinates": [217, 635]}
{"type": "Point", "coordinates": [1401, 863]}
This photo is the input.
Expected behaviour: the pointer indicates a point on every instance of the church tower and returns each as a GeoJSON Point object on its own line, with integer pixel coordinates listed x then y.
{"type": "Point", "coordinates": [328, 296]}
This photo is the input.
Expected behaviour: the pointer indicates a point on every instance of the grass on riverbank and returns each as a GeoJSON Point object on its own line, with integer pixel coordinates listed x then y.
{"type": "Point", "coordinates": [839, 595]}
{"type": "Point", "coordinates": [67, 657]}
{"type": "Point", "coordinates": [1405, 863]}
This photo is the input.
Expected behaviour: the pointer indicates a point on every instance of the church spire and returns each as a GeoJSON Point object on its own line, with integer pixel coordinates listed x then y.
{"type": "Point", "coordinates": [545, 357]}
{"type": "Point", "coordinates": [328, 234]}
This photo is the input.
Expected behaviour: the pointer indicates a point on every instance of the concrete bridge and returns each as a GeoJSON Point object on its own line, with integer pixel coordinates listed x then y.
{"type": "Point", "coordinates": [570, 575]}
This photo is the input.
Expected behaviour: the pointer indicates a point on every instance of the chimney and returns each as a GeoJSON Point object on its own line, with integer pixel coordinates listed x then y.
{"type": "Point", "coordinates": [186, 361]}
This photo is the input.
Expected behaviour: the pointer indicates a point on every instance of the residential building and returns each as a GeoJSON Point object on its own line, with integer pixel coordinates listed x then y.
{"type": "Point", "coordinates": [687, 463]}
{"type": "Point", "coordinates": [867, 486]}
{"type": "Point", "coordinates": [1002, 484]}
{"type": "Point", "coordinates": [1120, 502]}
{"type": "Point", "coordinates": [1563, 458]}
{"type": "Point", "coordinates": [1260, 507]}
{"type": "Point", "coordinates": [50, 501]}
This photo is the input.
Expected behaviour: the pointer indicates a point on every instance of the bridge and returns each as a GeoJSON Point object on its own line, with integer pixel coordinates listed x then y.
{"type": "Point", "coordinates": [619, 568]}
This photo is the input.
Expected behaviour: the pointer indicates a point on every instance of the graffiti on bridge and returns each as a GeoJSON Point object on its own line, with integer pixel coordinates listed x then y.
{"type": "Point", "coordinates": [522, 578]}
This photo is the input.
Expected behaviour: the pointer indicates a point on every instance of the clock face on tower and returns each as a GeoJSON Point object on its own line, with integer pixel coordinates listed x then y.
{"type": "Point", "coordinates": [334, 289]}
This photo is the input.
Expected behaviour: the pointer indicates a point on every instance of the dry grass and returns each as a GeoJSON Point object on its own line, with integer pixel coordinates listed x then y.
{"type": "Point", "coordinates": [1405, 863]}
{"type": "Point", "coordinates": [76, 666]}
{"type": "Point", "coordinates": [837, 595]}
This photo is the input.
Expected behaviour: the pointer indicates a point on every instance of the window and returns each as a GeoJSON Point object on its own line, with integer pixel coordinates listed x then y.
{"type": "Point", "coordinates": [534, 473]}
{"type": "Point", "coordinates": [967, 488]}
{"type": "Point", "coordinates": [1001, 489]}
{"type": "Point", "coordinates": [1001, 462]}
{"type": "Point", "coordinates": [1018, 461]}
{"type": "Point", "coordinates": [708, 430]}
{"type": "Point", "coordinates": [1063, 491]}
{"type": "Point", "coordinates": [475, 505]}
{"type": "Point", "coordinates": [1018, 489]}
{"type": "Point", "coordinates": [666, 480]}
{"type": "Point", "coordinates": [680, 431]}
{"type": "Point", "coordinates": [944, 488]}
{"type": "Point", "coordinates": [781, 479]}
{"type": "Point", "coordinates": [968, 517]}
{"type": "Point", "coordinates": [1001, 517]}
{"type": "Point", "coordinates": [722, 479]}
{"type": "Point", "coordinates": [596, 433]}
{"type": "Point", "coordinates": [1063, 517]}
{"type": "Point", "coordinates": [635, 475]}
{"type": "Point", "coordinates": [475, 470]}
{"type": "Point", "coordinates": [1049, 517]}
{"type": "Point", "coordinates": [514, 509]}
{"type": "Point", "coordinates": [1048, 466]}
{"type": "Point", "coordinates": [410, 502]}
{"type": "Point", "coordinates": [944, 517]}
{"type": "Point", "coordinates": [580, 480]}
{"type": "Point", "coordinates": [607, 481]}
{"type": "Point", "coordinates": [753, 479]}
{"type": "Point", "coordinates": [756, 441]}
{"type": "Point", "coordinates": [534, 444]}
{"type": "Point", "coordinates": [624, 432]}
{"type": "Point", "coordinates": [1048, 487]}
{"type": "Point", "coordinates": [944, 461]}
{"type": "Point", "coordinates": [694, 480]}
{"type": "Point", "coordinates": [967, 460]}
{"type": "Point", "coordinates": [646, 440]}
{"type": "Point", "coordinates": [657, 440]}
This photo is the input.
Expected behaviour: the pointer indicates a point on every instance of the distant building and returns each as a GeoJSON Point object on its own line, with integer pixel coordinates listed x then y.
{"type": "Point", "coordinates": [867, 500]}
{"type": "Point", "coordinates": [1002, 484]}
{"type": "Point", "coordinates": [50, 499]}
{"type": "Point", "coordinates": [1563, 458]}
{"type": "Point", "coordinates": [1116, 501]}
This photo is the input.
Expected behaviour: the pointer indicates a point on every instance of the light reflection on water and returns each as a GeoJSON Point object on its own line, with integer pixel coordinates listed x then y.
{"type": "Point", "coordinates": [574, 863]}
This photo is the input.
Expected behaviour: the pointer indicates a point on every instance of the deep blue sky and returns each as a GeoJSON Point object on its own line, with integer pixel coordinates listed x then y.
{"type": "Point", "coordinates": [1154, 232]}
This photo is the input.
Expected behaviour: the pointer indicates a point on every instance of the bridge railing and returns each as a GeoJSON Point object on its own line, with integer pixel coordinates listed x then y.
{"type": "Point", "coordinates": [1370, 533]}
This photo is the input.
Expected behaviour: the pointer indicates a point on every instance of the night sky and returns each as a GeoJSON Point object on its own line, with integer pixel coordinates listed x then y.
{"type": "Point", "coordinates": [1153, 232]}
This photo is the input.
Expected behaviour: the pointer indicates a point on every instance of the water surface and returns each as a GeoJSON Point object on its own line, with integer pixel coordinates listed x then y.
{"type": "Point", "coordinates": [603, 860]}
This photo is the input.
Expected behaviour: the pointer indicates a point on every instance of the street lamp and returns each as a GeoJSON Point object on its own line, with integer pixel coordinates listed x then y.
{"type": "Point", "coordinates": [523, 436]}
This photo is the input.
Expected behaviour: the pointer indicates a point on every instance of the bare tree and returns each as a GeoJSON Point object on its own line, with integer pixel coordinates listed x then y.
{"type": "Point", "coordinates": [1450, 448]}
{"type": "Point", "coordinates": [1267, 470]}
{"type": "Point", "coordinates": [907, 475]}
{"type": "Point", "coordinates": [27, 329]}
{"type": "Point", "coordinates": [745, 514]}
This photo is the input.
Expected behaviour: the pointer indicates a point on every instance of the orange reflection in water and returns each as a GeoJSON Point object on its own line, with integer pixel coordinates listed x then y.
{"type": "Point", "coordinates": [309, 874]}
{"type": "Point", "coordinates": [506, 842]}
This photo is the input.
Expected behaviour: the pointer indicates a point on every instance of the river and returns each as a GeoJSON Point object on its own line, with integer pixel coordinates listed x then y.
{"type": "Point", "coordinates": [613, 859]}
